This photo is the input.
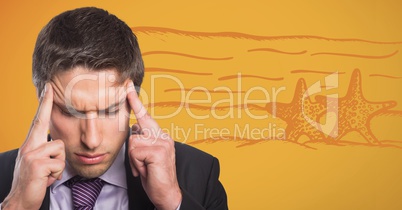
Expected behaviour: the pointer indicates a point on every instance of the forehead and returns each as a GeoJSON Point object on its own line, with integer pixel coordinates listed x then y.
{"type": "Point", "coordinates": [81, 74]}
{"type": "Point", "coordinates": [87, 90]}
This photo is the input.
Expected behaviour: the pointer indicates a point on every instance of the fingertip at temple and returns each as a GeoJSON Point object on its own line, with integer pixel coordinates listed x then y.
{"type": "Point", "coordinates": [130, 87]}
{"type": "Point", "coordinates": [134, 101]}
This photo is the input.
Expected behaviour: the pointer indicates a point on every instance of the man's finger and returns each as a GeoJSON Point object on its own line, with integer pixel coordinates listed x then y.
{"type": "Point", "coordinates": [48, 150]}
{"type": "Point", "coordinates": [131, 155]}
{"type": "Point", "coordinates": [145, 157]}
{"type": "Point", "coordinates": [145, 121]}
{"type": "Point", "coordinates": [53, 169]}
{"type": "Point", "coordinates": [40, 125]}
{"type": "Point", "coordinates": [54, 150]}
{"type": "Point", "coordinates": [140, 166]}
{"type": "Point", "coordinates": [132, 165]}
{"type": "Point", "coordinates": [139, 140]}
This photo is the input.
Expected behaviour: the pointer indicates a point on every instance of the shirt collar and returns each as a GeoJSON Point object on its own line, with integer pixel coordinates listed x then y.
{"type": "Point", "coordinates": [115, 175]}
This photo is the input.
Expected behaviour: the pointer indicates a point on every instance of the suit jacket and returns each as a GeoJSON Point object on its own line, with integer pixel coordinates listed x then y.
{"type": "Point", "coordinates": [197, 174]}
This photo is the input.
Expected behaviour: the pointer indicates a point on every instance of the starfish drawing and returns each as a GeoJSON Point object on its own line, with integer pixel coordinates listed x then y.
{"type": "Point", "coordinates": [355, 111]}
{"type": "Point", "coordinates": [300, 114]}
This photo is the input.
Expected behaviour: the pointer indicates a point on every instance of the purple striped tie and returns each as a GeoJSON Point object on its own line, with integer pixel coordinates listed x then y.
{"type": "Point", "coordinates": [84, 191]}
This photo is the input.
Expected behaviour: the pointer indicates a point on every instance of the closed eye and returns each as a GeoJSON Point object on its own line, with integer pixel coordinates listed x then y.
{"type": "Point", "coordinates": [108, 113]}
{"type": "Point", "coordinates": [113, 112]}
{"type": "Point", "coordinates": [65, 113]}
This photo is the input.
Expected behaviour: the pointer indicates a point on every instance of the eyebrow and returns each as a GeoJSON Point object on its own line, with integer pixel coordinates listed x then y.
{"type": "Point", "coordinates": [113, 106]}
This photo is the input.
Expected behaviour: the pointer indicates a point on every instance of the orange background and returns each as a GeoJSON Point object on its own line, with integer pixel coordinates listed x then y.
{"type": "Point", "coordinates": [350, 173]}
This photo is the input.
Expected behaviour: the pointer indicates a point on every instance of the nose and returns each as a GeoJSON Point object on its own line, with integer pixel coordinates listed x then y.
{"type": "Point", "coordinates": [91, 135]}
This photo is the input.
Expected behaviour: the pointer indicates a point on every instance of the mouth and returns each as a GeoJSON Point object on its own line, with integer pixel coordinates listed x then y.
{"type": "Point", "coordinates": [91, 159]}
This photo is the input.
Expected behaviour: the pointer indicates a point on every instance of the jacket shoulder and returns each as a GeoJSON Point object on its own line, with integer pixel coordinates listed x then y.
{"type": "Point", "coordinates": [7, 164]}
{"type": "Point", "coordinates": [191, 153]}
{"type": "Point", "coordinates": [198, 177]}
{"type": "Point", "coordinates": [192, 160]}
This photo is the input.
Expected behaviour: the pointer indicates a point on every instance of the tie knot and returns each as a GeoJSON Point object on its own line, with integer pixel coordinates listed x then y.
{"type": "Point", "coordinates": [84, 191]}
{"type": "Point", "coordinates": [82, 181]}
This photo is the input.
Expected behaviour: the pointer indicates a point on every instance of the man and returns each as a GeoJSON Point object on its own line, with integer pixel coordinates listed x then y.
{"type": "Point", "coordinates": [86, 68]}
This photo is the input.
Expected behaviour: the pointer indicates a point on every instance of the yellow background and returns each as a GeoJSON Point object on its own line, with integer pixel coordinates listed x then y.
{"type": "Point", "coordinates": [270, 174]}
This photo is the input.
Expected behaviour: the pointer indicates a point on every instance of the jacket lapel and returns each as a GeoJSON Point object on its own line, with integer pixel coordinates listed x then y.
{"type": "Point", "coordinates": [46, 200]}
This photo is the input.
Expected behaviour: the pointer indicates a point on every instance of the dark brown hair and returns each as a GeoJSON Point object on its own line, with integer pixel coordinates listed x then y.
{"type": "Point", "coordinates": [88, 37]}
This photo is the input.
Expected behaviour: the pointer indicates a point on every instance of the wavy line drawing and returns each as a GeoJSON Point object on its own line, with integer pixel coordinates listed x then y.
{"type": "Point", "coordinates": [237, 35]}
{"type": "Point", "coordinates": [352, 143]}
{"type": "Point", "coordinates": [245, 141]}
{"type": "Point", "coordinates": [314, 71]}
{"type": "Point", "coordinates": [357, 55]}
{"type": "Point", "coordinates": [262, 141]}
{"type": "Point", "coordinates": [386, 76]}
{"type": "Point", "coordinates": [276, 51]}
{"type": "Point", "coordinates": [392, 141]}
{"type": "Point", "coordinates": [391, 113]}
{"type": "Point", "coordinates": [151, 69]}
{"type": "Point", "coordinates": [250, 76]}
{"type": "Point", "coordinates": [203, 91]}
{"type": "Point", "coordinates": [202, 107]}
{"type": "Point", "coordinates": [184, 55]}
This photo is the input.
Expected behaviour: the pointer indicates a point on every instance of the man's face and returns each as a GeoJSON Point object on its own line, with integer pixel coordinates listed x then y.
{"type": "Point", "coordinates": [90, 115]}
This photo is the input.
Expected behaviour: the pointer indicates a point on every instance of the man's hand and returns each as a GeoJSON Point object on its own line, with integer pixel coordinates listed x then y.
{"type": "Point", "coordinates": [152, 156]}
{"type": "Point", "coordinates": [39, 162]}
